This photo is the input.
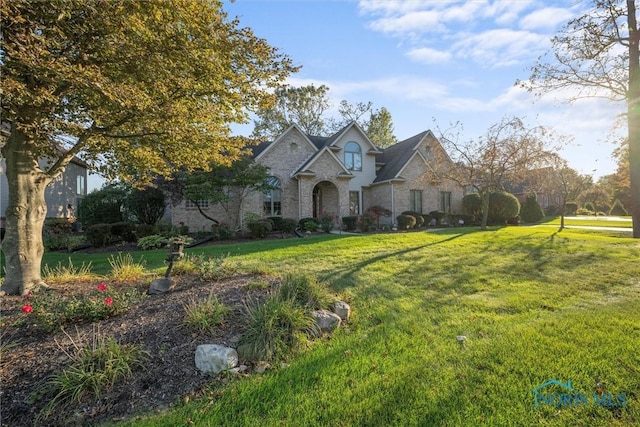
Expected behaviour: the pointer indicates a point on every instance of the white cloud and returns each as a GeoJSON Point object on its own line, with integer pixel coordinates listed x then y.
{"type": "Point", "coordinates": [427, 55]}
{"type": "Point", "coordinates": [548, 18]}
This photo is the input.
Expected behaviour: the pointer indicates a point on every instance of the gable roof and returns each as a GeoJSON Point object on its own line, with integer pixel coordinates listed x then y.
{"type": "Point", "coordinates": [396, 157]}
{"type": "Point", "coordinates": [304, 169]}
{"type": "Point", "coordinates": [262, 148]}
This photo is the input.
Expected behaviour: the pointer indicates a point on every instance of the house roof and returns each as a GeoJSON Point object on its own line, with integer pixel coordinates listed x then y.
{"type": "Point", "coordinates": [396, 157]}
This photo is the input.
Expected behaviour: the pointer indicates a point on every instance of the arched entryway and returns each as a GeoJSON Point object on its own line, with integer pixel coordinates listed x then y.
{"type": "Point", "coordinates": [325, 199]}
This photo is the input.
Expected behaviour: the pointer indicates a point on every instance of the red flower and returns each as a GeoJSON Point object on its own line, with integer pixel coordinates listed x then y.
{"type": "Point", "coordinates": [27, 308]}
{"type": "Point", "coordinates": [102, 287]}
{"type": "Point", "coordinates": [108, 301]}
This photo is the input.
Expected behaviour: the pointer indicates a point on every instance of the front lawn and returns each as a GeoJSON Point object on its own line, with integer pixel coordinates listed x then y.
{"type": "Point", "coordinates": [455, 327]}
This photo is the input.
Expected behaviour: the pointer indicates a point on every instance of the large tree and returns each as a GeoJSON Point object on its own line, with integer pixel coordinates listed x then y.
{"type": "Point", "coordinates": [598, 54]}
{"type": "Point", "coordinates": [135, 88]}
{"type": "Point", "coordinates": [504, 155]}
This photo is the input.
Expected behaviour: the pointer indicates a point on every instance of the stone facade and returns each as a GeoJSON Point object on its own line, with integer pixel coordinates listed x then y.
{"type": "Point", "coordinates": [340, 175]}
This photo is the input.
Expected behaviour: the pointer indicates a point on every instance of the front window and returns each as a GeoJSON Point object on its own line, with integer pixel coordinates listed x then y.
{"type": "Point", "coordinates": [272, 199]}
{"type": "Point", "coordinates": [80, 185]}
{"type": "Point", "coordinates": [354, 203]}
{"type": "Point", "coordinates": [415, 201]}
{"type": "Point", "coordinates": [353, 156]}
{"type": "Point", "coordinates": [190, 204]}
{"type": "Point", "coordinates": [445, 201]}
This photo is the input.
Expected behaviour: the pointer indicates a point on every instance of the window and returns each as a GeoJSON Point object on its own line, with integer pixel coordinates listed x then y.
{"type": "Point", "coordinates": [353, 156]}
{"type": "Point", "coordinates": [190, 204]}
{"type": "Point", "coordinates": [80, 185]}
{"type": "Point", "coordinates": [354, 203]}
{"type": "Point", "coordinates": [445, 201]}
{"type": "Point", "coordinates": [415, 201]}
{"type": "Point", "coordinates": [272, 199]}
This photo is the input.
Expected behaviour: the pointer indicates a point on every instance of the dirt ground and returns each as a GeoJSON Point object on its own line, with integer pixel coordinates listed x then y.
{"type": "Point", "coordinates": [29, 357]}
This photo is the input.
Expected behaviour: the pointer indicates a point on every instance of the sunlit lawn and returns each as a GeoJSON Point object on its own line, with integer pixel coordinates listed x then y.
{"type": "Point", "coordinates": [534, 305]}
{"type": "Point", "coordinates": [592, 221]}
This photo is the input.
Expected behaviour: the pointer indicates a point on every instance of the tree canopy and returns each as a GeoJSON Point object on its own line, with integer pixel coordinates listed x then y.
{"type": "Point", "coordinates": [136, 89]}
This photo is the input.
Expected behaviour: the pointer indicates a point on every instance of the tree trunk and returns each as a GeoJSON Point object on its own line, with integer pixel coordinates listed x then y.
{"type": "Point", "coordinates": [633, 106]}
{"type": "Point", "coordinates": [25, 215]}
{"type": "Point", "coordinates": [484, 197]}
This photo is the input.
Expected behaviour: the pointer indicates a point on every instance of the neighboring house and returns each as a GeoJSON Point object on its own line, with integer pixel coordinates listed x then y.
{"type": "Point", "coordinates": [341, 175]}
{"type": "Point", "coordinates": [536, 183]}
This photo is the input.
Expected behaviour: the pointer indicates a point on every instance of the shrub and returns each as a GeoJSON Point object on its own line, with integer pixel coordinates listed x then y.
{"type": "Point", "coordinates": [472, 204]}
{"type": "Point", "coordinates": [288, 225]}
{"type": "Point", "coordinates": [308, 224]}
{"type": "Point", "coordinates": [584, 212]}
{"type": "Point", "coordinates": [306, 291]}
{"type": "Point", "coordinates": [531, 212]}
{"type": "Point", "coordinates": [222, 231]}
{"type": "Point", "coordinates": [589, 206]}
{"type": "Point", "coordinates": [618, 209]}
{"type": "Point", "coordinates": [145, 206]}
{"type": "Point", "coordinates": [417, 216]}
{"type": "Point", "coordinates": [102, 206]}
{"type": "Point", "coordinates": [377, 212]}
{"type": "Point", "coordinates": [123, 231]}
{"type": "Point", "coordinates": [350, 222]}
{"type": "Point", "coordinates": [327, 222]}
{"type": "Point", "coordinates": [99, 235]}
{"type": "Point", "coordinates": [206, 315]}
{"type": "Point", "coordinates": [368, 221]}
{"type": "Point", "coordinates": [405, 221]}
{"type": "Point", "coordinates": [124, 268]}
{"type": "Point", "coordinates": [437, 215]}
{"type": "Point", "coordinates": [69, 273]}
{"type": "Point", "coordinates": [144, 230]}
{"type": "Point", "coordinates": [260, 228]}
{"type": "Point", "coordinates": [58, 234]}
{"type": "Point", "coordinates": [514, 221]}
{"type": "Point", "coordinates": [570, 208]}
{"type": "Point", "coordinates": [552, 210]}
{"type": "Point", "coordinates": [502, 207]}
{"type": "Point", "coordinates": [275, 328]}
{"type": "Point", "coordinates": [277, 222]}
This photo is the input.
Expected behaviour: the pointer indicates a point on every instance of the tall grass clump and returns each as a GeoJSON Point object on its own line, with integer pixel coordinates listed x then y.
{"type": "Point", "coordinates": [275, 328]}
{"type": "Point", "coordinates": [306, 291]}
{"type": "Point", "coordinates": [125, 269]}
{"type": "Point", "coordinates": [218, 268]}
{"type": "Point", "coordinates": [206, 315]}
{"type": "Point", "coordinates": [94, 369]}
{"type": "Point", "coordinates": [68, 273]}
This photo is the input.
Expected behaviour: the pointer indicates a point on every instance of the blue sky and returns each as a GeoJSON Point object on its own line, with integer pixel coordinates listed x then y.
{"type": "Point", "coordinates": [452, 61]}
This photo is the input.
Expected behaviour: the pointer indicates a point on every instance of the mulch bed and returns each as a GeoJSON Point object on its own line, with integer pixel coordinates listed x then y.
{"type": "Point", "coordinates": [29, 356]}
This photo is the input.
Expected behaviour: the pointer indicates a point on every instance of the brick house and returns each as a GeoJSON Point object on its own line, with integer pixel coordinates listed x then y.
{"type": "Point", "coordinates": [342, 174]}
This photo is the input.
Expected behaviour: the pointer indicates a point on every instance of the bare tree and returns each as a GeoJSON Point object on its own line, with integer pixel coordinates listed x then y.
{"type": "Point", "coordinates": [586, 55]}
{"type": "Point", "coordinates": [566, 183]}
{"type": "Point", "coordinates": [504, 154]}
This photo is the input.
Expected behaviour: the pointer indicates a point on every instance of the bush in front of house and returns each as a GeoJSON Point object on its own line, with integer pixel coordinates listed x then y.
{"type": "Point", "coordinates": [472, 204]}
{"type": "Point", "coordinates": [584, 212]}
{"type": "Point", "coordinates": [502, 207]}
{"type": "Point", "coordinates": [405, 221]}
{"type": "Point", "coordinates": [277, 222]}
{"type": "Point", "coordinates": [570, 208]}
{"type": "Point", "coordinates": [417, 216]}
{"type": "Point", "coordinates": [308, 224]}
{"type": "Point", "coordinates": [531, 212]}
{"type": "Point", "coordinates": [618, 209]}
{"type": "Point", "coordinates": [102, 206]}
{"type": "Point", "coordinates": [288, 225]}
{"type": "Point", "coordinates": [99, 235]}
{"type": "Point", "coordinates": [368, 221]}
{"type": "Point", "coordinates": [260, 228]}
{"type": "Point", "coordinates": [350, 222]}
{"type": "Point", "coordinates": [145, 206]}
{"type": "Point", "coordinates": [439, 216]}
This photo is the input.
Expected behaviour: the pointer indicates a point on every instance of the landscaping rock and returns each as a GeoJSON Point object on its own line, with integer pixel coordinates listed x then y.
{"type": "Point", "coordinates": [213, 358]}
{"type": "Point", "coordinates": [326, 321]}
{"type": "Point", "coordinates": [160, 286]}
{"type": "Point", "coordinates": [343, 310]}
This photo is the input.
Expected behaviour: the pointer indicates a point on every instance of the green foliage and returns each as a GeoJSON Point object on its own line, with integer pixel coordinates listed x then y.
{"type": "Point", "coordinates": [275, 328]}
{"type": "Point", "coordinates": [103, 206]}
{"type": "Point", "coordinates": [204, 316]}
{"type": "Point", "coordinates": [350, 222]}
{"type": "Point", "coordinates": [327, 221]}
{"type": "Point", "coordinates": [417, 215]}
{"type": "Point", "coordinates": [48, 311]}
{"type": "Point", "coordinates": [217, 268]}
{"type": "Point", "coordinates": [306, 291]}
{"type": "Point", "coordinates": [258, 283]}
{"type": "Point", "coordinates": [124, 268]}
{"type": "Point", "coordinates": [309, 224]}
{"type": "Point", "coordinates": [472, 204]}
{"type": "Point", "coordinates": [98, 235]}
{"type": "Point", "coordinates": [288, 225]}
{"type": "Point", "coordinates": [618, 209]}
{"type": "Point", "coordinates": [585, 212]}
{"type": "Point", "coordinates": [570, 208]}
{"type": "Point", "coordinates": [531, 212]}
{"type": "Point", "coordinates": [406, 221]}
{"type": "Point", "coordinates": [146, 206]}
{"type": "Point", "coordinates": [277, 222]}
{"type": "Point", "coordinates": [58, 235]}
{"type": "Point", "coordinates": [69, 273]}
{"type": "Point", "coordinates": [144, 230]}
{"type": "Point", "coordinates": [260, 228]}
{"type": "Point", "coordinates": [222, 232]}
{"type": "Point", "coordinates": [154, 241]}
{"type": "Point", "coordinates": [589, 206]}
{"type": "Point", "coordinates": [123, 231]}
{"type": "Point", "coordinates": [94, 370]}
{"type": "Point", "coordinates": [502, 207]}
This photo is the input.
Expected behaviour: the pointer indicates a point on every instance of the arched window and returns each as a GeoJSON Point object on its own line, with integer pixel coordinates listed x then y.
{"type": "Point", "coordinates": [272, 199]}
{"type": "Point", "coordinates": [353, 156]}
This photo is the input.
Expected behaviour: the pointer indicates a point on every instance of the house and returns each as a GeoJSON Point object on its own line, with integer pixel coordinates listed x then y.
{"type": "Point", "coordinates": [342, 174]}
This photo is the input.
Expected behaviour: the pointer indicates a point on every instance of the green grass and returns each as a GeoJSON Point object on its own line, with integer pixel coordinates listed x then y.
{"type": "Point", "coordinates": [592, 221]}
{"type": "Point", "coordinates": [535, 304]}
